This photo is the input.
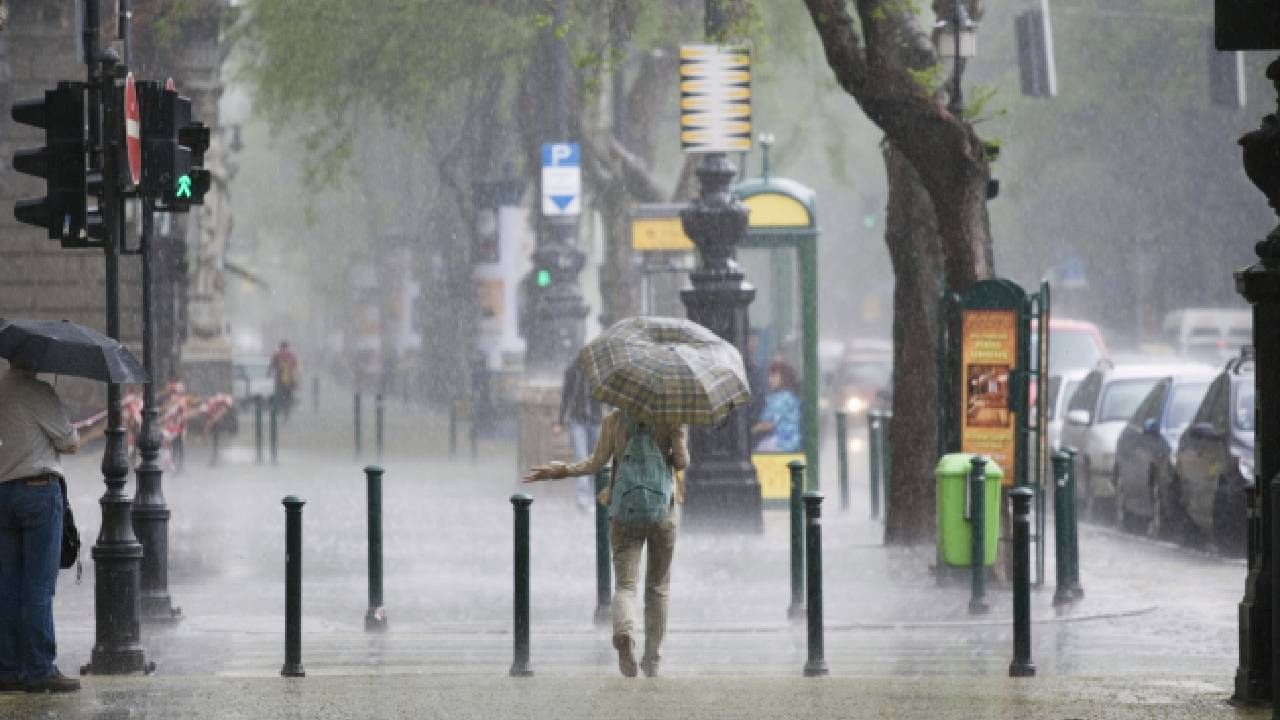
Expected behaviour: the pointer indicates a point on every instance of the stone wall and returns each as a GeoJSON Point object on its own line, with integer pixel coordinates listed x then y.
{"type": "Point", "coordinates": [38, 279]}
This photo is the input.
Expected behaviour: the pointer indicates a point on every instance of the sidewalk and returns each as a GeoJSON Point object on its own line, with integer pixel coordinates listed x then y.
{"type": "Point", "coordinates": [1154, 636]}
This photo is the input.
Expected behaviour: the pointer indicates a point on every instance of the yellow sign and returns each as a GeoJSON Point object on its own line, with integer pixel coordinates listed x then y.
{"type": "Point", "coordinates": [715, 98]}
{"type": "Point", "coordinates": [659, 233]}
{"type": "Point", "coordinates": [776, 210]}
{"type": "Point", "coordinates": [989, 347]}
{"type": "Point", "coordinates": [775, 476]}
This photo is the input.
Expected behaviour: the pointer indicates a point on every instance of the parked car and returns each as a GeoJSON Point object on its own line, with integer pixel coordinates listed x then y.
{"type": "Point", "coordinates": [1148, 445]}
{"type": "Point", "coordinates": [1074, 345]}
{"type": "Point", "coordinates": [1107, 398]}
{"type": "Point", "coordinates": [1214, 462]}
{"type": "Point", "coordinates": [863, 378]}
{"type": "Point", "coordinates": [1061, 389]}
{"type": "Point", "coordinates": [1210, 334]}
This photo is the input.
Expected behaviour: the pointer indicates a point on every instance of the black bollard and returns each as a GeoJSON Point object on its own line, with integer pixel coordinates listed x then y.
{"type": "Point", "coordinates": [978, 535]}
{"type": "Point", "coordinates": [453, 429]}
{"type": "Point", "coordinates": [379, 423]}
{"type": "Point", "coordinates": [520, 665]}
{"type": "Point", "coordinates": [817, 663]}
{"type": "Point", "coordinates": [293, 588]}
{"type": "Point", "coordinates": [796, 608]}
{"type": "Point", "coordinates": [274, 433]}
{"type": "Point", "coordinates": [1062, 501]}
{"type": "Point", "coordinates": [1073, 530]}
{"type": "Point", "coordinates": [1022, 666]}
{"type": "Point", "coordinates": [874, 421]}
{"type": "Point", "coordinates": [257, 429]}
{"type": "Point", "coordinates": [359, 439]}
{"type": "Point", "coordinates": [473, 432]}
{"type": "Point", "coordinates": [376, 617]}
{"type": "Point", "coordinates": [604, 569]}
{"type": "Point", "coordinates": [842, 456]}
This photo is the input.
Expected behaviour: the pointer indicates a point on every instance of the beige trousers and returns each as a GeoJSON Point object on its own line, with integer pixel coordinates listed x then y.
{"type": "Point", "coordinates": [627, 544]}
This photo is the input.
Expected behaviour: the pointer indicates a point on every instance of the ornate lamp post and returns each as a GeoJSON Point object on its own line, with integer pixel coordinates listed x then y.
{"type": "Point", "coordinates": [1260, 285]}
{"type": "Point", "coordinates": [117, 555]}
{"type": "Point", "coordinates": [721, 487]}
{"type": "Point", "coordinates": [150, 513]}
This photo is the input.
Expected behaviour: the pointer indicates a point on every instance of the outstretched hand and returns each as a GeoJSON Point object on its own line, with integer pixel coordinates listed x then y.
{"type": "Point", "coordinates": [541, 472]}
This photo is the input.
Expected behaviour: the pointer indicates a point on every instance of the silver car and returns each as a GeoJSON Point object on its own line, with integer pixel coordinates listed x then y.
{"type": "Point", "coordinates": [1097, 414]}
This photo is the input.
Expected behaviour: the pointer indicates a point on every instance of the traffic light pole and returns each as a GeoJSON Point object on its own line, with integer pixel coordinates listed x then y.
{"type": "Point", "coordinates": [150, 513]}
{"type": "Point", "coordinates": [117, 555]}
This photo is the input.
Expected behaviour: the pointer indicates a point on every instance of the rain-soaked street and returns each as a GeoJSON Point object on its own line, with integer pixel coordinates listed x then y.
{"type": "Point", "coordinates": [1154, 635]}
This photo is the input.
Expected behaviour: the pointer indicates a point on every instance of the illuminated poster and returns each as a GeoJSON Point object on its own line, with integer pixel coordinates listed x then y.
{"type": "Point", "coordinates": [989, 343]}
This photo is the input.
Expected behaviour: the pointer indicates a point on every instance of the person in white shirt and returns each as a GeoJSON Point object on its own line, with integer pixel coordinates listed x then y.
{"type": "Point", "coordinates": [34, 431]}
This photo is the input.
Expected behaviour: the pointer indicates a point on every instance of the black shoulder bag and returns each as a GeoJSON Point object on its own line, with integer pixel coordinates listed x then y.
{"type": "Point", "coordinates": [70, 535]}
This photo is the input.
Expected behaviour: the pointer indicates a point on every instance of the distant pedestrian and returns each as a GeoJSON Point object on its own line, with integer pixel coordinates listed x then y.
{"type": "Point", "coordinates": [582, 415]}
{"type": "Point", "coordinates": [778, 428]}
{"type": "Point", "coordinates": [284, 370]}
{"type": "Point", "coordinates": [645, 458]}
{"type": "Point", "coordinates": [34, 430]}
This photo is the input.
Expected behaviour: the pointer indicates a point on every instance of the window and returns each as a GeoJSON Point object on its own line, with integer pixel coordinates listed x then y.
{"type": "Point", "coordinates": [1244, 414]}
{"type": "Point", "coordinates": [1153, 405]}
{"type": "Point", "coordinates": [1073, 349]}
{"type": "Point", "coordinates": [1123, 397]}
{"type": "Point", "coordinates": [1206, 412]}
{"type": "Point", "coordinates": [1086, 397]}
{"type": "Point", "coordinates": [1186, 398]}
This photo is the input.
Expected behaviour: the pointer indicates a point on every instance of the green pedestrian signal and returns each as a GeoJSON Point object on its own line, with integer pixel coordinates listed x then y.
{"type": "Point", "coordinates": [868, 221]}
{"type": "Point", "coordinates": [184, 187]}
{"type": "Point", "coordinates": [543, 278]}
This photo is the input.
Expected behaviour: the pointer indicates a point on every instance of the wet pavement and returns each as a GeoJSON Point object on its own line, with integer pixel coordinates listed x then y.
{"type": "Point", "coordinates": [1153, 637]}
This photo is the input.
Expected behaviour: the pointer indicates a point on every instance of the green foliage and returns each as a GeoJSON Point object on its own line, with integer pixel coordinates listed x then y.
{"type": "Point", "coordinates": [341, 59]}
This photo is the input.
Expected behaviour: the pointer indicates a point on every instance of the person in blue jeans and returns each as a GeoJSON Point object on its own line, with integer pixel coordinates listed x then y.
{"type": "Point", "coordinates": [34, 430]}
{"type": "Point", "coordinates": [583, 415]}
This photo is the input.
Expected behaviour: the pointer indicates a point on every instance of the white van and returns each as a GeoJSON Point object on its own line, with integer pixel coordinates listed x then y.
{"type": "Point", "coordinates": [1213, 335]}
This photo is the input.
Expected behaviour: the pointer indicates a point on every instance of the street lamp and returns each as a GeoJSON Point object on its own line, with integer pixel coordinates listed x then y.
{"type": "Point", "coordinates": [955, 36]}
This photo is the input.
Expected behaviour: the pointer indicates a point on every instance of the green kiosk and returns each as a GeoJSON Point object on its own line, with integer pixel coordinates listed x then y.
{"type": "Point", "coordinates": [780, 257]}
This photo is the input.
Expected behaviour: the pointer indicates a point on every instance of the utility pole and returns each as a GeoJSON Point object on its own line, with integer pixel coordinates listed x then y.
{"type": "Point", "coordinates": [117, 554]}
{"type": "Point", "coordinates": [558, 311]}
{"type": "Point", "coordinates": [722, 490]}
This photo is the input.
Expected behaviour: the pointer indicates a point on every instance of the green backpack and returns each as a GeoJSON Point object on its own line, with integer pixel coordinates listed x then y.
{"type": "Point", "coordinates": [642, 483]}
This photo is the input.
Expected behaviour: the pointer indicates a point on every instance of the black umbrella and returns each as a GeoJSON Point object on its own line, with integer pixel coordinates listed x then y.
{"type": "Point", "coordinates": [65, 348]}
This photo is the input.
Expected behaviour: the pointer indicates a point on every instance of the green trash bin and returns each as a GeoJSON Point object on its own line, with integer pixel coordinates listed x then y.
{"type": "Point", "coordinates": [953, 527]}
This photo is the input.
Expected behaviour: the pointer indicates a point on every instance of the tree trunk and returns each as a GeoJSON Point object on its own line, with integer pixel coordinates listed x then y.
{"type": "Point", "coordinates": [911, 234]}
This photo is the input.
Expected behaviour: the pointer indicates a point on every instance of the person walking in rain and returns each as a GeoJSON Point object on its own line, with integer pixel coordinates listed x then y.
{"type": "Point", "coordinates": [583, 416]}
{"type": "Point", "coordinates": [34, 430]}
{"type": "Point", "coordinates": [284, 370]}
{"type": "Point", "coordinates": [628, 538]}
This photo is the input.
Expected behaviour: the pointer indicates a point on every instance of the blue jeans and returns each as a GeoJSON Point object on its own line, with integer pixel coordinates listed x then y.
{"type": "Point", "coordinates": [583, 438]}
{"type": "Point", "coordinates": [30, 543]}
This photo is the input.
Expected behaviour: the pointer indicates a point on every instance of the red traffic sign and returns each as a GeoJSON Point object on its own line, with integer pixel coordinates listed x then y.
{"type": "Point", "coordinates": [132, 130]}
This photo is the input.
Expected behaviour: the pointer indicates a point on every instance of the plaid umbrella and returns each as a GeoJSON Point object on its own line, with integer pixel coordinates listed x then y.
{"type": "Point", "coordinates": [666, 370]}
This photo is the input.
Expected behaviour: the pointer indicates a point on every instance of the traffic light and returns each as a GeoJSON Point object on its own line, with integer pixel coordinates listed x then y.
{"type": "Point", "coordinates": [64, 211]}
{"type": "Point", "coordinates": [542, 278]}
{"type": "Point", "coordinates": [173, 149]}
{"type": "Point", "coordinates": [194, 136]}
